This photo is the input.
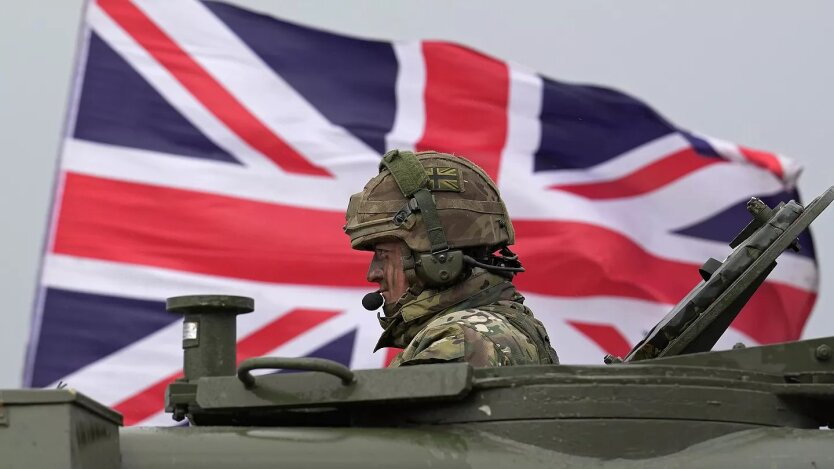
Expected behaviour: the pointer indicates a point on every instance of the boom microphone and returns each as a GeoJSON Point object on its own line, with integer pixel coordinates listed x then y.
{"type": "Point", "coordinates": [373, 301]}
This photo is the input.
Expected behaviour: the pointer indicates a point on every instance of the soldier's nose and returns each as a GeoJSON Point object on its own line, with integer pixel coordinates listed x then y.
{"type": "Point", "coordinates": [375, 270]}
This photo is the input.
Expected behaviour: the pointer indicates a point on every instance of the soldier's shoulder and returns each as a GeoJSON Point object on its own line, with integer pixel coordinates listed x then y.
{"type": "Point", "coordinates": [465, 335]}
{"type": "Point", "coordinates": [481, 320]}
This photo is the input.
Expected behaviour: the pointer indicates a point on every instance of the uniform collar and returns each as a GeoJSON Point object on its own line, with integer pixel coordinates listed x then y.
{"type": "Point", "coordinates": [481, 288]}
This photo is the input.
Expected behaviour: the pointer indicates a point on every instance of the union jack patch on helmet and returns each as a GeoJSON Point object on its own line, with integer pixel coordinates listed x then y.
{"type": "Point", "coordinates": [444, 179]}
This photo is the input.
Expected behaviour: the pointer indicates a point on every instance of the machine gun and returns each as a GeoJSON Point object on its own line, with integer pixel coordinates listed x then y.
{"type": "Point", "coordinates": [698, 321]}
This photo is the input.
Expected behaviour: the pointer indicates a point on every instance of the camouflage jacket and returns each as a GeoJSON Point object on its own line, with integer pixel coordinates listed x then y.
{"type": "Point", "coordinates": [481, 321]}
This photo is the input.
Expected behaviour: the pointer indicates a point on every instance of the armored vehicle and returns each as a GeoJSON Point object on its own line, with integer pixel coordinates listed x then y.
{"type": "Point", "coordinates": [671, 402]}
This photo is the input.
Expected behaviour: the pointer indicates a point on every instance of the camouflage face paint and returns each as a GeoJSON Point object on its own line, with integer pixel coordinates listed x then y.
{"type": "Point", "coordinates": [386, 269]}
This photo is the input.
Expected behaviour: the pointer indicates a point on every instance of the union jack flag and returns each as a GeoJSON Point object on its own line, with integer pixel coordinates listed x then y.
{"type": "Point", "coordinates": [210, 149]}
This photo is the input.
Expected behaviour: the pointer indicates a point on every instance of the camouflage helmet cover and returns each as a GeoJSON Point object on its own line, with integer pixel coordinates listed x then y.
{"type": "Point", "coordinates": [468, 205]}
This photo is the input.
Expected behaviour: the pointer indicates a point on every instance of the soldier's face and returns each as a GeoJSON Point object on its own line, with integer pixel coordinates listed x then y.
{"type": "Point", "coordinates": [386, 269]}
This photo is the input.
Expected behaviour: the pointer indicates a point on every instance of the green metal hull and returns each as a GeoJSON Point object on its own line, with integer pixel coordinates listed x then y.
{"type": "Point", "coordinates": [457, 447]}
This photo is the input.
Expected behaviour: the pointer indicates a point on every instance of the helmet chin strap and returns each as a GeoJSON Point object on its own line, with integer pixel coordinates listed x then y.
{"type": "Point", "coordinates": [415, 285]}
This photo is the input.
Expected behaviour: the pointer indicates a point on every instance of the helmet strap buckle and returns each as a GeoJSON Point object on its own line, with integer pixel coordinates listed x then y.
{"type": "Point", "coordinates": [408, 209]}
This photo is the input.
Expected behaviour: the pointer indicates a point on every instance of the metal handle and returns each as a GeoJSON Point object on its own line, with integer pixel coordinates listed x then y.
{"type": "Point", "coordinates": [304, 364]}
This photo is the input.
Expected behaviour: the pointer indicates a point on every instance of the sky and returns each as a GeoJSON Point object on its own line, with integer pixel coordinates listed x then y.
{"type": "Point", "coordinates": [756, 73]}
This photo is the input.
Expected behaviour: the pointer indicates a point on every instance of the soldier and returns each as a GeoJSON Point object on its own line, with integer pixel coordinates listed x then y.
{"type": "Point", "coordinates": [439, 232]}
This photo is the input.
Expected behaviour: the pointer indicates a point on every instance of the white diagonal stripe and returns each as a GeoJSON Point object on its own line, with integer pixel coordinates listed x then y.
{"type": "Point", "coordinates": [631, 317]}
{"type": "Point", "coordinates": [255, 85]}
{"type": "Point", "coordinates": [791, 168]}
{"type": "Point", "coordinates": [182, 172]}
{"type": "Point", "coordinates": [160, 351]}
{"type": "Point", "coordinates": [173, 91]}
{"type": "Point", "coordinates": [619, 166]}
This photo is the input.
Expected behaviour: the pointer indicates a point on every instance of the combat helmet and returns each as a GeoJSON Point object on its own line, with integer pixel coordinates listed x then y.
{"type": "Point", "coordinates": [444, 208]}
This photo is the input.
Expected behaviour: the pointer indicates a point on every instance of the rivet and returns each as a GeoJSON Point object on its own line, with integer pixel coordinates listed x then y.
{"type": "Point", "coordinates": [823, 353]}
{"type": "Point", "coordinates": [444, 274]}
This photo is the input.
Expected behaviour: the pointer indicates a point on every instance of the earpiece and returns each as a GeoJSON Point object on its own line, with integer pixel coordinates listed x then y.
{"type": "Point", "coordinates": [440, 269]}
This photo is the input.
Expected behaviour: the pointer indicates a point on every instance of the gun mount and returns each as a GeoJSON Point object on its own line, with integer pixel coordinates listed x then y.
{"type": "Point", "coordinates": [697, 322]}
